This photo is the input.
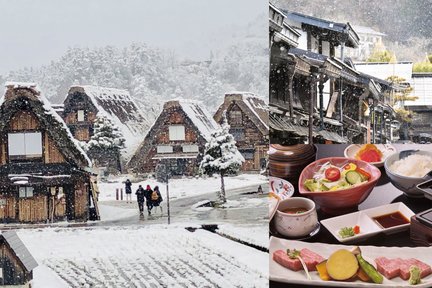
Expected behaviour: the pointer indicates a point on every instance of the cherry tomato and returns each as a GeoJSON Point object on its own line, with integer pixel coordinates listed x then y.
{"type": "Point", "coordinates": [356, 229]}
{"type": "Point", "coordinates": [332, 174]}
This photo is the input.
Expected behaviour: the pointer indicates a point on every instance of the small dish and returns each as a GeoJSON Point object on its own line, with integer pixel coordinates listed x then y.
{"type": "Point", "coordinates": [368, 226]}
{"type": "Point", "coordinates": [280, 188]}
{"type": "Point", "coordinates": [390, 208]}
{"type": "Point", "coordinates": [386, 150]}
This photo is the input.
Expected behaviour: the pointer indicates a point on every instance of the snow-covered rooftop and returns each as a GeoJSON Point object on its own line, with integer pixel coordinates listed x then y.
{"type": "Point", "coordinates": [119, 106]}
{"type": "Point", "coordinates": [199, 116]}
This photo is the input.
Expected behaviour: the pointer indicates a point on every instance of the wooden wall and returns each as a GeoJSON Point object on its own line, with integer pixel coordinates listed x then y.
{"type": "Point", "coordinates": [34, 209]}
{"type": "Point", "coordinates": [51, 152]}
{"type": "Point", "coordinates": [82, 133]}
{"type": "Point", "coordinates": [13, 272]}
{"type": "Point", "coordinates": [23, 120]}
{"type": "Point", "coordinates": [81, 200]}
{"type": "Point", "coordinates": [9, 210]}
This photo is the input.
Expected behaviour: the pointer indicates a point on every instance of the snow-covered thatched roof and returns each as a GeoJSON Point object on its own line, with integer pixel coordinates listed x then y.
{"type": "Point", "coordinates": [255, 108]}
{"type": "Point", "coordinates": [118, 106]}
{"type": "Point", "coordinates": [56, 127]}
{"type": "Point", "coordinates": [199, 116]}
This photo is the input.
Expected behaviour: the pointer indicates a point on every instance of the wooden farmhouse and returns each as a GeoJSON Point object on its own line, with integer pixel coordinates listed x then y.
{"type": "Point", "coordinates": [43, 170]}
{"type": "Point", "coordinates": [16, 262]}
{"type": "Point", "coordinates": [84, 103]}
{"type": "Point", "coordinates": [248, 117]}
{"type": "Point", "coordinates": [176, 139]}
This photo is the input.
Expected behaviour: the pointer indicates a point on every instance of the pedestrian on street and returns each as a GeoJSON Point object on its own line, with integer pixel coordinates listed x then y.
{"type": "Point", "coordinates": [148, 194]}
{"type": "Point", "coordinates": [140, 199]}
{"type": "Point", "coordinates": [128, 190]}
{"type": "Point", "coordinates": [156, 198]}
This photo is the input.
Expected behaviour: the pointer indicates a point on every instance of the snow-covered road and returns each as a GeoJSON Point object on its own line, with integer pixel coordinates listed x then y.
{"type": "Point", "coordinates": [142, 256]}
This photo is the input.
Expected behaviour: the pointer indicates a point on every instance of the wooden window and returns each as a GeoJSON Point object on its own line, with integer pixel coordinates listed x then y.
{"type": "Point", "coordinates": [235, 118]}
{"type": "Point", "coordinates": [80, 115]}
{"type": "Point", "coordinates": [248, 154]}
{"type": "Point", "coordinates": [26, 192]}
{"type": "Point", "coordinates": [190, 148]}
{"type": "Point", "coordinates": [25, 146]}
{"type": "Point", "coordinates": [238, 134]}
{"type": "Point", "coordinates": [164, 149]}
{"type": "Point", "coordinates": [177, 132]}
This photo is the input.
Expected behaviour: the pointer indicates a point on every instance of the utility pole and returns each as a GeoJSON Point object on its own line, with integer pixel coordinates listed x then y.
{"type": "Point", "coordinates": [168, 205]}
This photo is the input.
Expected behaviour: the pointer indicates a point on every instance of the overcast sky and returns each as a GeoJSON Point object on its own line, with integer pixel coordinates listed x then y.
{"type": "Point", "coordinates": [34, 32]}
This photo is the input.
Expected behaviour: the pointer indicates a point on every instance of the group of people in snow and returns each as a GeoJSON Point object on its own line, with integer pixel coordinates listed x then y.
{"type": "Point", "coordinates": [152, 197]}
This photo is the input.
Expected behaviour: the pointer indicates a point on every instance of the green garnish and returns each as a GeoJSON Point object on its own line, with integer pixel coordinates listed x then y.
{"type": "Point", "coordinates": [415, 277]}
{"type": "Point", "coordinates": [346, 232]}
{"type": "Point", "coordinates": [293, 254]}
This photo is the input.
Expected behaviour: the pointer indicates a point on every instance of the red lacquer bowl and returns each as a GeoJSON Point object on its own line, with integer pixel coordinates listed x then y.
{"type": "Point", "coordinates": [340, 201]}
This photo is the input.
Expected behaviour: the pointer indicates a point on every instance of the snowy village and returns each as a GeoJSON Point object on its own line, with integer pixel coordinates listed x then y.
{"type": "Point", "coordinates": [130, 164]}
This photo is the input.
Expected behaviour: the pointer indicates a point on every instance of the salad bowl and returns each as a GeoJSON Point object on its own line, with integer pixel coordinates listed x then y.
{"type": "Point", "coordinates": [346, 199]}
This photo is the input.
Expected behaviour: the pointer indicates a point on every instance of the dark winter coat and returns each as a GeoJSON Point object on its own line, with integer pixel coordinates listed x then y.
{"type": "Point", "coordinates": [128, 186]}
{"type": "Point", "coordinates": [147, 194]}
{"type": "Point", "coordinates": [157, 202]}
{"type": "Point", "coordinates": [140, 195]}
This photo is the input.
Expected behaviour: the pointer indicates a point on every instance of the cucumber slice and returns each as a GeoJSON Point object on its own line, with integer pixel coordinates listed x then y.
{"type": "Point", "coordinates": [353, 177]}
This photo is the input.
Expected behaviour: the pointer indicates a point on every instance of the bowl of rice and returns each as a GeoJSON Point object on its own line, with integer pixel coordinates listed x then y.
{"type": "Point", "coordinates": [408, 171]}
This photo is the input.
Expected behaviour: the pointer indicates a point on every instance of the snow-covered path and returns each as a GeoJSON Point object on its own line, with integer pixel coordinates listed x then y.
{"type": "Point", "coordinates": [144, 256]}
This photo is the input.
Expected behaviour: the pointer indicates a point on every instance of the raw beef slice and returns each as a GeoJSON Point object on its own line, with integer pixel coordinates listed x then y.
{"type": "Point", "coordinates": [388, 267]}
{"type": "Point", "coordinates": [406, 264]}
{"type": "Point", "coordinates": [310, 258]}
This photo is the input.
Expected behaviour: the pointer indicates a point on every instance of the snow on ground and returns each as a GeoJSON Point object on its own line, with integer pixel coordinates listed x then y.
{"type": "Point", "coordinates": [142, 256]}
{"type": "Point", "coordinates": [254, 234]}
{"type": "Point", "coordinates": [186, 187]}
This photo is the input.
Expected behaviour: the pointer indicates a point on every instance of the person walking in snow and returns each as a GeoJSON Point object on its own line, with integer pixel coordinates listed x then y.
{"type": "Point", "coordinates": [156, 198]}
{"type": "Point", "coordinates": [140, 199]}
{"type": "Point", "coordinates": [148, 194]}
{"type": "Point", "coordinates": [128, 190]}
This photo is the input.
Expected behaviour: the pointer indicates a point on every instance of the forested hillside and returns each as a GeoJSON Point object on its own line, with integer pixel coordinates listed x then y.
{"type": "Point", "coordinates": [154, 75]}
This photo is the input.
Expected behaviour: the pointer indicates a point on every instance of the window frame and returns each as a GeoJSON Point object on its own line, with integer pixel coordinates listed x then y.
{"type": "Point", "coordinates": [192, 148]}
{"type": "Point", "coordinates": [24, 157]}
{"type": "Point", "coordinates": [174, 135]}
{"type": "Point", "coordinates": [164, 152]}
{"type": "Point", "coordinates": [79, 114]}
{"type": "Point", "coordinates": [26, 192]}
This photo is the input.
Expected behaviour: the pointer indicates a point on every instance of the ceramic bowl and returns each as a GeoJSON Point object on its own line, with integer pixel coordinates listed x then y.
{"type": "Point", "coordinates": [408, 185]}
{"type": "Point", "coordinates": [340, 201]}
{"type": "Point", "coordinates": [296, 225]}
{"type": "Point", "coordinates": [386, 150]}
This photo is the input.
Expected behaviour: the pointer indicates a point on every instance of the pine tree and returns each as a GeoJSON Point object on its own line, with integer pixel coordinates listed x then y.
{"type": "Point", "coordinates": [221, 156]}
{"type": "Point", "coordinates": [107, 142]}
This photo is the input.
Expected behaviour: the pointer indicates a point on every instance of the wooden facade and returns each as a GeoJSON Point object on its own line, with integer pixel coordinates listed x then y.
{"type": "Point", "coordinates": [247, 116]}
{"type": "Point", "coordinates": [42, 171]}
{"type": "Point", "coordinates": [182, 152]}
{"type": "Point", "coordinates": [16, 262]}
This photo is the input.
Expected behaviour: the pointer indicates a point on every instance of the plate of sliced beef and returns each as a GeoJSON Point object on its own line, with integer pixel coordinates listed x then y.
{"type": "Point", "coordinates": [392, 266]}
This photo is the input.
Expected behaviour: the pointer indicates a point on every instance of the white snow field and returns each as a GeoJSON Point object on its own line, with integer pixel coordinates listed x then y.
{"type": "Point", "coordinates": [142, 256]}
{"type": "Point", "coordinates": [254, 234]}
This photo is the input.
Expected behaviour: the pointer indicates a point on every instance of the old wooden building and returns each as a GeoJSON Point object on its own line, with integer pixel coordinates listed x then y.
{"type": "Point", "coordinates": [43, 170]}
{"type": "Point", "coordinates": [84, 103]}
{"type": "Point", "coordinates": [16, 262]}
{"type": "Point", "coordinates": [176, 139]}
{"type": "Point", "coordinates": [247, 116]}
{"type": "Point", "coordinates": [316, 93]}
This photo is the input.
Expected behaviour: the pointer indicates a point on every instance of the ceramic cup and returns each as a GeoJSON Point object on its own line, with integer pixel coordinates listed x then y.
{"type": "Point", "coordinates": [296, 225]}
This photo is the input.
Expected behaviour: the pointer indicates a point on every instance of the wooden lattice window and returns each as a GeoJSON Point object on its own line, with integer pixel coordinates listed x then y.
{"type": "Point", "coordinates": [235, 118]}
